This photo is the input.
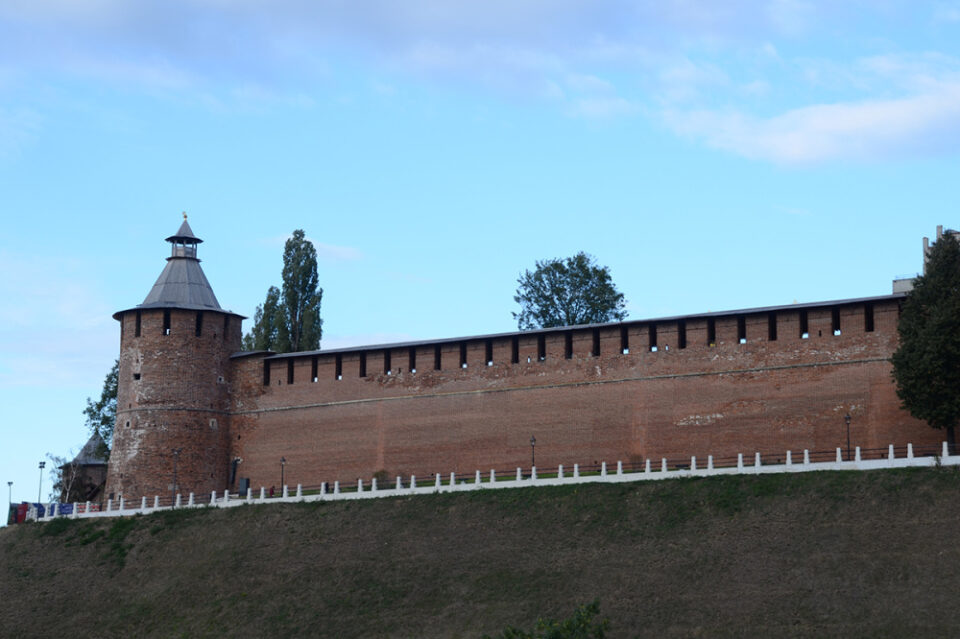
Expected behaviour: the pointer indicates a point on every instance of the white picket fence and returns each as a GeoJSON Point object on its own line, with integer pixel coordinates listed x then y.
{"type": "Point", "coordinates": [479, 481]}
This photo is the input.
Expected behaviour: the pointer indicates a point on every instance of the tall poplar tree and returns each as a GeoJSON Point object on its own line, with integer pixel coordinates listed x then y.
{"type": "Point", "coordinates": [289, 319]}
{"type": "Point", "coordinates": [301, 295]}
{"type": "Point", "coordinates": [926, 364]}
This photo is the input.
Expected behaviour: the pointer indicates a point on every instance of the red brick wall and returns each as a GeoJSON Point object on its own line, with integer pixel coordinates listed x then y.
{"type": "Point", "coordinates": [181, 400]}
{"type": "Point", "coordinates": [763, 396]}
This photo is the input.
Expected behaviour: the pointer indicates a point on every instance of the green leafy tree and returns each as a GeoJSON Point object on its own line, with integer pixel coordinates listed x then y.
{"type": "Point", "coordinates": [579, 626]}
{"type": "Point", "coordinates": [301, 295]}
{"type": "Point", "coordinates": [566, 293]}
{"type": "Point", "coordinates": [289, 319]}
{"type": "Point", "coordinates": [266, 321]}
{"type": "Point", "coordinates": [102, 414]}
{"type": "Point", "coordinates": [926, 364]}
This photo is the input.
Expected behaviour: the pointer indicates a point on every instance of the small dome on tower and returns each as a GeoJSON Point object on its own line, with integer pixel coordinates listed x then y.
{"type": "Point", "coordinates": [182, 283]}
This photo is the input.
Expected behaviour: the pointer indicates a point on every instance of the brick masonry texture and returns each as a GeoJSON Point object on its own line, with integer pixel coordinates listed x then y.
{"type": "Point", "coordinates": [630, 391]}
{"type": "Point", "coordinates": [173, 393]}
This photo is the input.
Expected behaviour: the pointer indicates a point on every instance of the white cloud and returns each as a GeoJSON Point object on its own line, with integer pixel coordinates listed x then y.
{"type": "Point", "coordinates": [685, 80]}
{"type": "Point", "coordinates": [592, 60]}
{"type": "Point", "coordinates": [864, 130]}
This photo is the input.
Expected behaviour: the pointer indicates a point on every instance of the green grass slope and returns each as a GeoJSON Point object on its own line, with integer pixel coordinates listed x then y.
{"type": "Point", "coordinates": [826, 554]}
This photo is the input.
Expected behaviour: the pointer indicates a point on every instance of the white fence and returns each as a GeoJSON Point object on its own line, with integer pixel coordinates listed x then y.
{"type": "Point", "coordinates": [489, 481]}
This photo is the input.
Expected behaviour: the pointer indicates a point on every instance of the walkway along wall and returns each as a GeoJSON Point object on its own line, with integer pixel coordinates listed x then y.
{"type": "Point", "coordinates": [762, 380]}
{"type": "Point", "coordinates": [406, 487]}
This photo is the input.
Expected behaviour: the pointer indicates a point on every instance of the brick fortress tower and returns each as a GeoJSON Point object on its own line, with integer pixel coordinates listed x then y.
{"type": "Point", "coordinates": [173, 388]}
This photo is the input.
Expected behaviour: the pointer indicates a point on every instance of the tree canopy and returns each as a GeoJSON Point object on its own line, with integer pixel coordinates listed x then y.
{"type": "Point", "coordinates": [566, 293]}
{"type": "Point", "coordinates": [289, 319]}
{"type": "Point", "coordinates": [926, 364]}
{"type": "Point", "coordinates": [102, 414]}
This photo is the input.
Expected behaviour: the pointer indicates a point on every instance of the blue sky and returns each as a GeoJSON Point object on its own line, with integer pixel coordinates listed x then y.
{"type": "Point", "coordinates": [713, 155]}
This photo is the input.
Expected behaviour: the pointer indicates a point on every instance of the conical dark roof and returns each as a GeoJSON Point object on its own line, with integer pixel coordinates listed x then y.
{"type": "Point", "coordinates": [182, 284]}
{"type": "Point", "coordinates": [184, 233]}
{"type": "Point", "coordinates": [92, 452]}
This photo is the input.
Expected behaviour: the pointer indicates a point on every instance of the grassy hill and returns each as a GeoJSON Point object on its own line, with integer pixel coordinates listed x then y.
{"type": "Point", "coordinates": [827, 554]}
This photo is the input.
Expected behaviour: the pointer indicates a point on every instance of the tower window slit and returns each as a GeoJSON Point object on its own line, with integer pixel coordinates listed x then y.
{"type": "Point", "coordinates": [596, 342]}
{"type": "Point", "coordinates": [437, 357]}
{"type": "Point", "coordinates": [198, 329]}
{"type": "Point", "coordinates": [541, 347]}
{"type": "Point", "coordinates": [868, 317]}
{"type": "Point", "coordinates": [363, 364]}
{"type": "Point", "coordinates": [772, 326]}
{"type": "Point", "coordinates": [682, 334]}
{"type": "Point", "coordinates": [653, 338]}
{"type": "Point", "coordinates": [835, 320]}
{"type": "Point", "coordinates": [226, 324]}
{"type": "Point", "coordinates": [314, 365]}
{"type": "Point", "coordinates": [804, 325]}
{"type": "Point", "coordinates": [136, 329]}
{"type": "Point", "coordinates": [711, 331]}
{"type": "Point", "coordinates": [624, 340]}
{"type": "Point", "coordinates": [741, 329]}
{"type": "Point", "coordinates": [289, 371]}
{"type": "Point", "coordinates": [488, 352]}
{"type": "Point", "coordinates": [568, 345]}
{"type": "Point", "coordinates": [166, 322]}
{"type": "Point", "coordinates": [266, 373]}
{"type": "Point", "coordinates": [463, 354]}
{"type": "Point", "coordinates": [412, 357]}
{"type": "Point", "coordinates": [515, 350]}
{"type": "Point", "coordinates": [338, 367]}
{"type": "Point", "coordinates": [387, 368]}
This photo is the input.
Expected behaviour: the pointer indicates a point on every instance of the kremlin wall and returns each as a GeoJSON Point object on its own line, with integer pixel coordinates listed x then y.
{"type": "Point", "coordinates": [196, 414]}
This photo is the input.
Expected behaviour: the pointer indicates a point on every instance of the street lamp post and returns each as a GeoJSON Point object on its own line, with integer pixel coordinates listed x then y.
{"type": "Point", "coordinates": [533, 455]}
{"type": "Point", "coordinates": [43, 465]}
{"type": "Point", "coordinates": [283, 463]}
{"type": "Point", "coordinates": [173, 490]}
{"type": "Point", "coordinates": [846, 418]}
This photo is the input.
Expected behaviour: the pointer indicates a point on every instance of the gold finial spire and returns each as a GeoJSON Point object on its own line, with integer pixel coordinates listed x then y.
{"type": "Point", "coordinates": [184, 216]}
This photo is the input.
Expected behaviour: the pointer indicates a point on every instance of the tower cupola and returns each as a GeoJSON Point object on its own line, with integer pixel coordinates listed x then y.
{"type": "Point", "coordinates": [184, 241]}
{"type": "Point", "coordinates": [182, 283]}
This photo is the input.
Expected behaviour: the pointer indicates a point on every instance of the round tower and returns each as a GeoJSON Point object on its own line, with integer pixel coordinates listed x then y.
{"type": "Point", "coordinates": [172, 429]}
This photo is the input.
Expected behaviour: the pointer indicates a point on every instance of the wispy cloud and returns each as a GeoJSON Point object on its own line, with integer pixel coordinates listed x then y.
{"type": "Point", "coordinates": [42, 299]}
{"type": "Point", "coordinates": [865, 130]}
{"type": "Point", "coordinates": [710, 68]}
